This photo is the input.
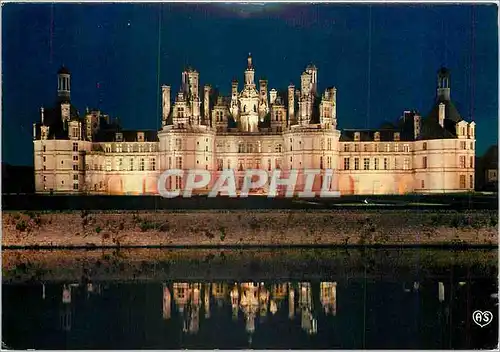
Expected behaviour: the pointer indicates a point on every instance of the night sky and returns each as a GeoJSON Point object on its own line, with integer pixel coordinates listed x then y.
{"type": "Point", "coordinates": [382, 58]}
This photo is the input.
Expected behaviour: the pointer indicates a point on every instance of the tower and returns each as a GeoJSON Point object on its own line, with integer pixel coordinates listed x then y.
{"type": "Point", "coordinates": [63, 84]}
{"type": "Point", "coordinates": [165, 93]}
{"type": "Point", "coordinates": [313, 72]}
{"type": "Point", "coordinates": [443, 84]}
{"type": "Point", "coordinates": [249, 73]}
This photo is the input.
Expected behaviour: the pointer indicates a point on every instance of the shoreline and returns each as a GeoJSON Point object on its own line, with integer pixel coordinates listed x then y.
{"type": "Point", "coordinates": [162, 265]}
{"type": "Point", "coordinates": [249, 229]}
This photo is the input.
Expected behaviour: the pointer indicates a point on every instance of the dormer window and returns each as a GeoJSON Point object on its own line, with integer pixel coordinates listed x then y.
{"type": "Point", "coordinates": [396, 136]}
{"type": "Point", "coordinates": [377, 136]}
{"type": "Point", "coordinates": [140, 136]}
{"type": "Point", "coordinates": [119, 137]}
{"type": "Point", "coordinates": [356, 136]}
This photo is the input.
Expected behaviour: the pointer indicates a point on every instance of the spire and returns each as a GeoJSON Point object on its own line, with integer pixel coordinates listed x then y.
{"type": "Point", "coordinates": [249, 59]}
{"type": "Point", "coordinates": [443, 84]}
{"type": "Point", "coordinates": [63, 84]}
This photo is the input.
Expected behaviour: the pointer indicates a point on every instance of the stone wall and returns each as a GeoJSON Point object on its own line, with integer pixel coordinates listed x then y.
{"type": "Point", "coordinates": [246, 227]}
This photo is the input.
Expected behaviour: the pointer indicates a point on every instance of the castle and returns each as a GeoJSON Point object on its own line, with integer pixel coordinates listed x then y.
{"type": "Point", "coordinates": [254, 128]}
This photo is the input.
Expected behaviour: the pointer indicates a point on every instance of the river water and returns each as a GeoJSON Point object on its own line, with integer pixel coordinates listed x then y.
{"type": "Point", "coordinates": [425, 309]}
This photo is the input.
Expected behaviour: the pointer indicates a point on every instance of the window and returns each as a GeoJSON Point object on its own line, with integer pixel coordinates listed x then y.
{"type": "Point", "coordinates": [220, 164]}
{"type": "Point", "coordinates": [472, 145]}
{"type": "Point", "coordinates": [387, 147]}
{"type": "Point", "coordinates": [120, 164]}
{"type": "Point", "coordinates": [279, 148]}
{"type": "Point", "coordinates": [44, 159]}
{"type": "Point", "coordinates": [178, 144]}
{"type": "Point", "coordinates": [346, 147]}
{"type": "Point", "coordinates": [45, 148]}
{"type": "Point", "coordinates": [356, 163]}
{"type": "Point", "coordinates": [278, 163]}
{"type": "Point", "coordinates": [346, 163]}
{"type": "Point", "coordinates": [152, 164]}
{"type": "Point", "coordinates": [329, 144]}
{"type": "Point", "coordinates": [178, 162]}
{"type": "Point", "coordinates": [406, 148]}
{"type": "Point", "coordinates": [375, 166]}
{"type": "Point", "coordinates": [386, 164]}
{"type": "Point", "coordinates": [462, 162]}
{"type": "Point", "coordinates": [463, 145]}
{"type": "Point", "coordinates": [365, 147]}
{"type": "Point", "coordinates": [471, 162]}
{"type": "Point", "coordinates": [424, 162]}
{"type": "Point", "coordinates": [75, 147]}
{"type": "Point", "coordinates": [250, 148]}
{"type": "Point", "coordinates": [356, 147]}
{"type": "Point", "coordinates": [424, 146]}
{"type": "Point", "coordinates": [142, 165]}
{"type": "Point", "coordinates": [75, 158]}
{"type": "Point", "coordinates": [396, 147]}
{"type": "Point", "coordinates": [471, 182]}
{"type": "Point", "coordinates": [75, 186]}
{"type": "Point", "coordinates": [406, 164]}
{"type": "Point", "coordinates": [366, 164]}
{"type": "Point", "coordinates": [75, 177]}
{"type": "Point", "coordinates": [321, 162]}
{"type": "Point", "coordinates": [268, 164]}
{"type": "Point", "coordinates": [396, 163]}
{"type": "Point", "coordinates": [74, 131]}
{"type": "Point", "coordinates": [180, 112]}
{"type": "Point", "coordinates": [240, 165]}
{"type": "Point", "coordinates": [462, 181]}
{"type": "Point", "coordinates": [329, 162]}
{"type": "Point", "coordinates": [241, 147]}
{"type": "Point", "coordinates": [108, 164]}
{"type": "Point", "coordinates": [119, 148]}
{"type": "Point", "coordinates": [178, 182]}
{"type": "Point", "coordinates": [44, 168]}
{"type": "Point", "coordinates": [75, 167]}
{"type": "Point", "coordinates": [108, 148]}
{"type": "Point", "coordinates": [131, 164]}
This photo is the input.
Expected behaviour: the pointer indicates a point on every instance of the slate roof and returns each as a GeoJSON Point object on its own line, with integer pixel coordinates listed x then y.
{"type": "Point", "coordinates": [109, 135]}
{"type": "Point", "coordinates": [53, 119]}
{"type": "Point", "coordinates": [63, 70]}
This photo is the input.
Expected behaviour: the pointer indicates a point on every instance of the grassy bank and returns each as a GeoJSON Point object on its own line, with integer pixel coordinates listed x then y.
{"type": "Point", "coordinates": [249, 227]}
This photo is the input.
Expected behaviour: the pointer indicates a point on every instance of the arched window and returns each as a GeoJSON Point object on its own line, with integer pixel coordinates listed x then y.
{"type": "Point", "coordinates": [255, 108]}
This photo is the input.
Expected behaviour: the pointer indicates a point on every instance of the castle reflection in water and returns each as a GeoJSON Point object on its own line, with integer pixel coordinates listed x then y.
{"type": "Point", "coordinates": [249, 299]}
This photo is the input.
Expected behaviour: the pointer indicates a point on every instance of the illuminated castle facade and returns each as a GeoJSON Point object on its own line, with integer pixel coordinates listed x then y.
{"type": "Point", "coordinates": [253, 128]}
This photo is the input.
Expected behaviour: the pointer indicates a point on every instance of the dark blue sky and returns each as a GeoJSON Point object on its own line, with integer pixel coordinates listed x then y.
{"type": "Point", "coordinates": [382, 58]}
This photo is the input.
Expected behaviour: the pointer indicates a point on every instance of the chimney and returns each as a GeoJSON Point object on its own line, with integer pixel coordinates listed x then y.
{"type": "Point", "coordinates": [291, 103]}
{"type": "Point", "coordinates": [273, 93]}
{"type": "Point", "coordinates": [416, 126]}
{"type": "Point", "coordinates": [165, 90]}
{"type": "Point", "coordinates": [441, 114]}
{"type": "Point", "coordinates": [206, 103]}
{"type": "Point", "coordinates": [263, 89]}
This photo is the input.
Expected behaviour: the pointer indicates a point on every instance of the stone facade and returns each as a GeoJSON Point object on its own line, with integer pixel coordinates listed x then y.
{"type": "Point", "coordinates": [253, 128]}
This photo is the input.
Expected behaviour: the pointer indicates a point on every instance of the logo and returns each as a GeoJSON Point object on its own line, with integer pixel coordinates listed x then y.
{"type": "Point", "coordinates": [482, 318]}
{"type": "Point", "coordinates": [174, 183]}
